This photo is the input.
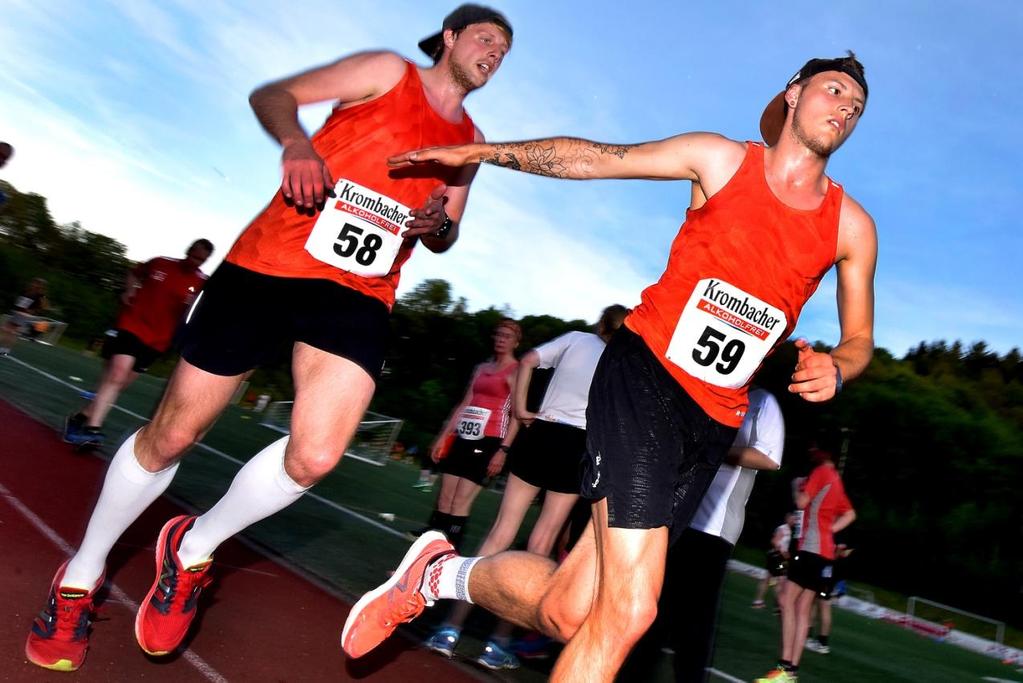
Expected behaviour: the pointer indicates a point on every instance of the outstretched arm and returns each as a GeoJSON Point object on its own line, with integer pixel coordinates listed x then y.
{"type": "Point", "coordinates": [677, 158]}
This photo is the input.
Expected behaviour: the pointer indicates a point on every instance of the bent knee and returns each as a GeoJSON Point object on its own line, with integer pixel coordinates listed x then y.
{"type": "Point", "coordinates": [559, 618]}
{"type": "Point", "coordinates": [164, 446]}
{"type": "Point", "coordinates": [308, 465]}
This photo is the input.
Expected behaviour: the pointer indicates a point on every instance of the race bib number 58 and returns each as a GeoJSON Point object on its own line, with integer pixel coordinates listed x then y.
{"type": "Point", "coordinates": [724, 333]}
{"type": "Point", "coordinates": [358, 230]}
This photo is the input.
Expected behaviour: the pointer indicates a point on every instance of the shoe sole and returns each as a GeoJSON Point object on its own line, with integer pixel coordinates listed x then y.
{"type": "Point", "coordinates": [161, 549]}
{"type": "Point", "coordinates": [499, 667]}
{"type": "Point", "coordinates": [411, 555]}
{"type": "Point", "coordinates": [60, 665]}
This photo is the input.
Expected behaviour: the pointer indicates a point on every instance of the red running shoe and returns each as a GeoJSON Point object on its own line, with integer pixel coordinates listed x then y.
{"type": "Point", "coordinates": [170, 606]}
{"type": "Point", "coordinates": [59, 637]}
{"type": "Point", "coordinates": [396, 601]}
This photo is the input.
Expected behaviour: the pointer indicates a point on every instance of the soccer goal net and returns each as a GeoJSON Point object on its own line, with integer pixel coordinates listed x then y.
{"type": "Point", "coordinates": [938, 621]}
{"type": "Point", "coordinates": [39, 329]}
{"type": "Point", "coordinates": [372, 442]}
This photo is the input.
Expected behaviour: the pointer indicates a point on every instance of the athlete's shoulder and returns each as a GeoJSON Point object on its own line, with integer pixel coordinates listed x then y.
{"type": "Point", "coordinates": [857, 229]}
{"type": "Point", "coordinates": [384, 67]}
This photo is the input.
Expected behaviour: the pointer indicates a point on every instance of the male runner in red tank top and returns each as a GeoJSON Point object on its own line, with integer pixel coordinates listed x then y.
{"type": "Point", "coordinates": [324, 258]}
{"type": "Point", "coordinates": [765, 225]}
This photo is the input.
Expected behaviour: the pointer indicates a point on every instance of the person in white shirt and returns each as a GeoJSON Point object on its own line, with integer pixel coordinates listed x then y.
{"type": "Point", "coordinates": [546, 455]}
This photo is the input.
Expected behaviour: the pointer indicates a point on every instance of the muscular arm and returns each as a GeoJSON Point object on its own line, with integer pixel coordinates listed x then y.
{"type": "Point", "coordinates": [856, 264]}
{"type": "Point", "coordinates": [455, 198]}
{"type": "Point", "coordinates": [350, 80]}
{"type": "Point", "coordinates": [750, 458]}
{"type": "Point", "coordinates": [683, 157]}
{"type": "Point", "coordinates": [815, 378]}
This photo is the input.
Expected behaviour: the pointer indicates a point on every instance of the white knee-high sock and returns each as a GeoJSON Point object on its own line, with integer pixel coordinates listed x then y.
{"type": "Point", "coordinates": [260, 489]}
{"type": "Point", "coordinates": [128, 490]}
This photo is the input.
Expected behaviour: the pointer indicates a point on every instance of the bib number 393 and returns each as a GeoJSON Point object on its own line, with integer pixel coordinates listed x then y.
{"type": "Point", "coordinates": [358, 230]}
{"type": "Point", "coordinates": [472, 423]}
{"type": "Point", "coordinates": [724, 334]}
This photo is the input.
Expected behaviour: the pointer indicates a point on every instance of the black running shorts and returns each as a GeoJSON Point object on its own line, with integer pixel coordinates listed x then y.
{"type": "Point", "coordinates": [243, 318]}
{"type": "Point", "coordinates": [813, 572]}
{"type": "Point", "coordinates": [549, 455]}
{"type": "Point", "coordinates": [777, 565]}
{"type": "Point", "coordinates": [651, 450]}
{"type": "Point", "coordinates": [469, 459]}
{"type": "Point", "coordinates": [124, 343]}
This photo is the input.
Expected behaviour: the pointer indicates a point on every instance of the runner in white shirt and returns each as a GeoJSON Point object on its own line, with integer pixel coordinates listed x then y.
{"type": "Point", "coordinates": [546, 455]}
{"type": "Point", "coordinates": [697, 561]}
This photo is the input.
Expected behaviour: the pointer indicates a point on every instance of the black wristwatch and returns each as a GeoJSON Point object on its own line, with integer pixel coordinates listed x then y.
{"type": "Point", "coordinates": [444, 228]}
{"type": "Point", "coordinates": [504, 448]}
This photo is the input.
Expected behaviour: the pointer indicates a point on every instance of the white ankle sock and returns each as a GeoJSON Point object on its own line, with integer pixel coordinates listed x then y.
{"type": "Point", "coordinates": [261, 488]}
{"type": "Point", "coordinates": [447, 578]}
{"type": "Point", "coordinates": [128, 490]}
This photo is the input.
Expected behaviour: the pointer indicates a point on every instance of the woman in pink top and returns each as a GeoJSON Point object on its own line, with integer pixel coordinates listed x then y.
{"type": "Point", "coordinates": [473, 445]}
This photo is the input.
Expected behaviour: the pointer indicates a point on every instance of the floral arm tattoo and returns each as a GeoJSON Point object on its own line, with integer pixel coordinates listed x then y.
{"type": "Point", "coordinates": [555, 157]}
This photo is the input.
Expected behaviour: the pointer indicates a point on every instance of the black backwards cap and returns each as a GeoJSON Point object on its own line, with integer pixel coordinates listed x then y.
{"type": "Point", "coordinates": [463, 16]}
{"type": "Point", "coordinates": [773, 118]}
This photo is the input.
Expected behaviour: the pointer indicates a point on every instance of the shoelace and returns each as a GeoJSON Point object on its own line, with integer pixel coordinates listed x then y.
{"type": "Point", "coordinates": [67, 616]}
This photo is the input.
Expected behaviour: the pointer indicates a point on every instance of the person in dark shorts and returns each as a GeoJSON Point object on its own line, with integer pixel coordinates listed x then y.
{"type": "Point", "coordinates": [156, 295]}
{"type": "Point", "coordinates": [317, 268]}
{"type": "Point", "coordinates": [546, 456]}
{"type": "Point", "coordinates": [777, 561]}
{"type": "Point", "coordinates": [671, 388]}
{"type": "Point", "coordinates": [473, 445]}
{"type": "Point", "coordinates": [826, 510]}
{"type": "Point", "coordinates": [821, 610]}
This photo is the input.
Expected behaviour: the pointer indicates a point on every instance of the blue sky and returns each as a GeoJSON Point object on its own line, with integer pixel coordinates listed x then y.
{"type": "Point", "coordinates": [132, 118]}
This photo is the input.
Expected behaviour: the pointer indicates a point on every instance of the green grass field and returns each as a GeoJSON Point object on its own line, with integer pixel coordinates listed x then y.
{"type": "Point", "coordinates": [336, 534]}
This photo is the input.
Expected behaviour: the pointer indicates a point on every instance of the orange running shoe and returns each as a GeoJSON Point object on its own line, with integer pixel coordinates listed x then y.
{"type": "Point", "coordinates": [170, 606]}
{"type": "Point", "coordinates": [59, 637]}
{"type": "Point", "coordinates": [396, 601]}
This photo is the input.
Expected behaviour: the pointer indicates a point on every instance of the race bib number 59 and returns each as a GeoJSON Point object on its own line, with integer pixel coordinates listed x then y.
{"type": "Point", "coordinates": [724, 333]}
{"type": "Point", "coordinates": [358, 230]}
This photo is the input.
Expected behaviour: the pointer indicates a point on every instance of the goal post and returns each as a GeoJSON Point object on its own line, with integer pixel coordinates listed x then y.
{"type": "Point", "coordinates": [939, 620]}
{"type": "Point", "coordinates": [38, 328]}
{"type": "Point", "coordinates": [373, 440]}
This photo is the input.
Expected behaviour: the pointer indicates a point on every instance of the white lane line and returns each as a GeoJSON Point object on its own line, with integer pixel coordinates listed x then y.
{"type": "Point", "coordinates": [225, 456]}
{"type": "Point", "coordinates": [727, 677]}
{"type": "Point", "coordinates": [208, 672]}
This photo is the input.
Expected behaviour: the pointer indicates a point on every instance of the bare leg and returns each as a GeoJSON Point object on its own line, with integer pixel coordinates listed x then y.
{"type": "Point", "coordinates": [518, 495]}
{"type": "Point", "coordinates": [446, 495]}
{"type": "Point", "coordinates": [824, 607]}
{"type": "Point", "coordinates": [787, 605]}
{"type": "Point", "coordinates": [465, 495]}
{"type": "Point", "coordinates": [555, 510]}
{"type": "Point", "coordinates": [802, 625]}
{"type": "Point", "coordinates": [117, 376]}
{"type": "Point", "coordinates": [631, 571]}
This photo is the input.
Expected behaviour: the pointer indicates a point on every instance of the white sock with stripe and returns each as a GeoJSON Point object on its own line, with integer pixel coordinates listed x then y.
{"type": "Point", "coordinates": [447, 578]}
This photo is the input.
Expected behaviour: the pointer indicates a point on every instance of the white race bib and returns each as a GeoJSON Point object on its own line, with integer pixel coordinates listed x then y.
{"type": "Point", "coordinates": [358, 230]}
{"type": "Point", "coordinates": [724, 334]}
{"type": "Point", "coordinates": [23, 303]}
{"type": "Point", "coordinates": [472, 423]}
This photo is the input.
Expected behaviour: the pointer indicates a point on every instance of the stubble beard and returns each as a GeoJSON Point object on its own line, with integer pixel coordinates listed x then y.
{"type": "Point", "coordinates": [818, 145]}
{"type": "Point", "coordinates": [461, 78]}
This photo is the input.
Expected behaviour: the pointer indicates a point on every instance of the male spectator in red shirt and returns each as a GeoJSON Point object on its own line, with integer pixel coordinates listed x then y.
{"type": "Point", "coordinates": [156, 296]}
{"type": "Point", "coordinates": [825, 511]}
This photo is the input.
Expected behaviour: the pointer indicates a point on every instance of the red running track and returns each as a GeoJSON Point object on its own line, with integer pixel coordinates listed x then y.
{"type": "Point", "coordinates": [260, 621]}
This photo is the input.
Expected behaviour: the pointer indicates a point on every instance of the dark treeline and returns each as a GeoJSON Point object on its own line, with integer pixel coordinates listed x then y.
{"type": "Point", "coordinates": [932, 442]}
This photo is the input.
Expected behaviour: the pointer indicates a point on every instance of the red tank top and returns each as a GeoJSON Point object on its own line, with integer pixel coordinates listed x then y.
{"type": "Point", "coordinates": [354, 240]}
{"type": "Point", "coordinates": [491, 392]}
{"type": "Point", "coordinates": [739, 272]}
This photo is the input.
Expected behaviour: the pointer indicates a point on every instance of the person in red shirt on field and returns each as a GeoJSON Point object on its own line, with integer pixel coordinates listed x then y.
{"type": "Point", "coordinates": [825, 511]}
{"type": "Point", "coordinates": [155, 298]}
